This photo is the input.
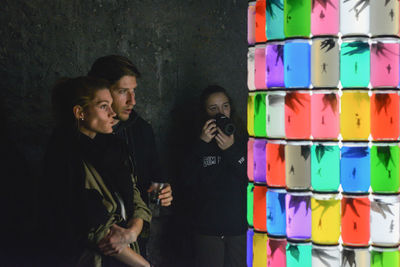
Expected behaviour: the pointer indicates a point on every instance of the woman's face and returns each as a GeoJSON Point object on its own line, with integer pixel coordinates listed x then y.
{"type": "Point", "coordinates": [218, 103]}
{"type": "Point", "coordinates": [98, 115]}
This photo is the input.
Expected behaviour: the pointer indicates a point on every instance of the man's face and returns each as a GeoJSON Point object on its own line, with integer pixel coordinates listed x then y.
{"type": "Point", "coordinates": [123, 94]}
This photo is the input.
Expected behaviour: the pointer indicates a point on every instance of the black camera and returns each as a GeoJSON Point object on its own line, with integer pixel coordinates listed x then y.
{"type": "Point", "coordinates": [225, 124]}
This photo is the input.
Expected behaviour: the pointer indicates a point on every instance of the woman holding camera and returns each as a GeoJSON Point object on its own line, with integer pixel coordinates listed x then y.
{"type": "Point", "coordinates": [87, 191]}
{"type": "Point", "coordinates": [215, 177]}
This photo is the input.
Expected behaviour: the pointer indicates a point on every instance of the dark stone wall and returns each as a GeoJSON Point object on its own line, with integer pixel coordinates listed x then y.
{"type": "Point", "coordinates": [180, 46]}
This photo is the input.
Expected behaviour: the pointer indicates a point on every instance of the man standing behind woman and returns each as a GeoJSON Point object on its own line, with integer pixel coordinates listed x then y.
{"type": "Point", "coordinates": [136, 133]}
{"type": "Point", "coordinates": [87, 193]}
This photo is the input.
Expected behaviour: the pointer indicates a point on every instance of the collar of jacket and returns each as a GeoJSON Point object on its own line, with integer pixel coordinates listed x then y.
{"type": "Point", "coordinates": [121, 125]}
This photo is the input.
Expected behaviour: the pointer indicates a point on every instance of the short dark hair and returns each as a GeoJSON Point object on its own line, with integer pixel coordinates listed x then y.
{"type": "Point", "coordinates": [69, 92]}
{"type": "Point", "coordinates": [112, 68]}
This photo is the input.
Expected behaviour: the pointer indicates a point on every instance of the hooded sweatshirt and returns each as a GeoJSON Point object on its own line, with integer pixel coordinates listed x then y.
{"type": "Point", "coordinates": [139, 138]}
{"type": "Point", "coordinates": [216, 180]}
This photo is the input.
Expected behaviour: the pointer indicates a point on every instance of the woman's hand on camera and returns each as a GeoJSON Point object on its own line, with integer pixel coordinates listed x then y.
{"type": "Point", "coordinates": [209, 130]}
{"type": "Point", "coordinates": [224, 141]}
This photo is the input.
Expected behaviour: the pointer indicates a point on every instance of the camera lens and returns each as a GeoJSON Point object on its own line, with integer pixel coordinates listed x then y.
{"type": "Point", "coordinates": [229, 129]}
{"type": "Point", "coordinates": [225, 124]}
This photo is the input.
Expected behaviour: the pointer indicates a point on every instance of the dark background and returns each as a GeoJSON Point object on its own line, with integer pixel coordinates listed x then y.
{"type": "Point", "coordinates": [180, 47]}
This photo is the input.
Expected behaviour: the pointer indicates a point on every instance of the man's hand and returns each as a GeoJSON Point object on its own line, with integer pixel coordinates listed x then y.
{"type": "Point", "coordinates": [116, 240]}
{"type": "Point", "coordinates": [224, 141]}
{"type": "Point", "coordinates": [166, 196]}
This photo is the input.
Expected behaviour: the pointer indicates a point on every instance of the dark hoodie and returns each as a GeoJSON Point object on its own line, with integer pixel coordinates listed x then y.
{"type": "Point", "coordinates": [139, 137]}
{"type": "Point", "coordinates": [216, 180]}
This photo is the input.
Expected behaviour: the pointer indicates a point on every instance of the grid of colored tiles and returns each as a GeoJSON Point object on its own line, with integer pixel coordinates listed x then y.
{"type": "Point", "coordinates": [323, 119]}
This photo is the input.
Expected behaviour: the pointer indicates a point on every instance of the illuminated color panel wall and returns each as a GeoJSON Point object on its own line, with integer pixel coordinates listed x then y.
{"type": "Point", "coordinates": [323, 119]}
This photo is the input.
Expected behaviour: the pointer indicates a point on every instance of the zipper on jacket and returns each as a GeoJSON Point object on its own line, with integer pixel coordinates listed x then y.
{"type": "Point", "coordinates": [132, 161]}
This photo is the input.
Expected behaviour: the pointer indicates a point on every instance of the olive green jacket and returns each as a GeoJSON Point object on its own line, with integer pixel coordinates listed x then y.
{"type": "Point", "coordinates": [92, 256]}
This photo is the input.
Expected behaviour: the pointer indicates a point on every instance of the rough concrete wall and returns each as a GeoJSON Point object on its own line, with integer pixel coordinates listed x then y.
{"type": "Point", "coordinates": [180, 46]}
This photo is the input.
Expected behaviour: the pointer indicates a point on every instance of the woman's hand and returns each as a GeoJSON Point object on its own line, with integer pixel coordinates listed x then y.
{"type": "Point", "coordinates": [116, 240]}
{"type": "Point", "coordinates": [209, 130]}
{"type": "Point", "coordinates": [224, 141]}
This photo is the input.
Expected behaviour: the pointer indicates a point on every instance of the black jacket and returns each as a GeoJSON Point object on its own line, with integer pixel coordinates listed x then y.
{"type": "Point", "coordinates": [216, 180]}
{"type": "Point", "coordinates": [67, 210]}
{"type": "Point", "coordinates": [139, 137]}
